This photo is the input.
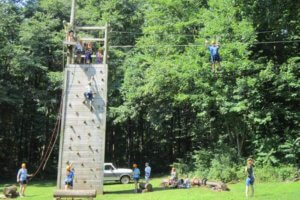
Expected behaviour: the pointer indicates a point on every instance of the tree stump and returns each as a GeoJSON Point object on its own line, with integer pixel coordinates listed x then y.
{"type": "Point", "coordinates": [11, 191]}
{"type": "Point", "coordinates": [146, 187]}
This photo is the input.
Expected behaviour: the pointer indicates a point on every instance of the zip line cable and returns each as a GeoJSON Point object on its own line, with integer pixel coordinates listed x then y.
{"type": "Point", "coordinates": [196, 45]}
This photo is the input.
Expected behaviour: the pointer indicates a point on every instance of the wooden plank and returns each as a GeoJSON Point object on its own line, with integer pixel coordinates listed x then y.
{"type": "Point", "coordinates": [91, 28]}
{"type": "Point", "coordinates": [75, 193]}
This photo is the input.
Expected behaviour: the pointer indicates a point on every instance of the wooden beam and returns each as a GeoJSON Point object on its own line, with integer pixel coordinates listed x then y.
{"type": "Point", "coordinates": [91, 28]}
{"type": "Point", "coordinates": [92, 39]}
{"type": "Point", "coordinates": [75, 193]}
{"type": "Point", "coordinates": [105, 44]}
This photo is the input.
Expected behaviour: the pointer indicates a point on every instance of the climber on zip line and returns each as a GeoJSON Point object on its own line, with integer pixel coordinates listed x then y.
{"type": "Point", "coordinates": [214, 54]}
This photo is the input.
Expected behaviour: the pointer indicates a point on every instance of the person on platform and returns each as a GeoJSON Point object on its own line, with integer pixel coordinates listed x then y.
{"type": "Point", "coordinates": [99, 56]}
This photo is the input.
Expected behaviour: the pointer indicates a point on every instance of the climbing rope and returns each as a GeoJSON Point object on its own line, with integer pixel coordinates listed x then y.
{"type": "Point", "coordinates": [55, 131]}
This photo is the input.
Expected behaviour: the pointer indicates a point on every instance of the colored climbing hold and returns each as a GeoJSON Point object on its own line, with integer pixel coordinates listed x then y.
{"type": "Point", "coordinates": [71, 126]}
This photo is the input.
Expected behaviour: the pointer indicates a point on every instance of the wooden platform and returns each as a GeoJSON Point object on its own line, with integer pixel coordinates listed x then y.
{"type": "Point", "coordinates": [82, 140]}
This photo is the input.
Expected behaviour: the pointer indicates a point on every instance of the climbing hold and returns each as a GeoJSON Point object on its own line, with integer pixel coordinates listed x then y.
{"type": "Point", "coordinates": [77, 95]}
{"type": "Point", "coordinates": [78, 81]}
{"type": "Point", "coordinates": [97, 151]}
{"type": "Point", "coordinates": [70, 105]}
{"type": "Point", "coordinates": [91, 170]}
{"type": "Point", "coordinates": [79, 137]}
{"type": "Point", "coordinates": [84, 181]}
{"type": "Point", "coordinates": [78, 154]}
{"type": "Point", "coordinates": [77, 113]}
{"type": "Point", "coordinates": [101, 71]}
{"type": "Point", "coordinates": [102, 80]}
{"type": "Point", "coordinates": [70, 148]}
{"type": "Point", "coordinates": [93, 120]}
{"type": "Point", "coordinates": [89, 134]}
{"type": "Point", "coordinates": [71, 127]}
{"type": "Point", "coordinates": [90, 146]}
{"type": "Point", "coordinates": [71, 138]}
{"type": "Point", "coordinates": [85, 122]}
{"type": "Point", "coordinates": [94, 159]}
{"type": "Point", "coordinates": [102, 89]}
{"type": "Point", "coordinates": [98, 127]}
{"type": "Point", "coordinates": [82, 164]}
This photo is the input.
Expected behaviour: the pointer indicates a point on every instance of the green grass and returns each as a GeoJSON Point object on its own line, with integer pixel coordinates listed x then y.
{"type": "Point", "coordinates": [263, 191]}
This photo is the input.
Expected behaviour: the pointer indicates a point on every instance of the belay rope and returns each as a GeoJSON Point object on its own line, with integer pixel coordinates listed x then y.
{"type": "Point", "coordinates": [55, 132]}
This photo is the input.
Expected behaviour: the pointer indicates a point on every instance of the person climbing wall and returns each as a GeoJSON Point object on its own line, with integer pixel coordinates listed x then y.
{"type": "Point", "coordinates": [89, 95]}
{"type": "Point", "coordinates": [214, 54]}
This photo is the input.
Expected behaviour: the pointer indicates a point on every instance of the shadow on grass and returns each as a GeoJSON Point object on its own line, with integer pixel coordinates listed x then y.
{"type": "Point", "coordinates": [42, 183]}
{"type": "Point", "coordinates": [131, 191]}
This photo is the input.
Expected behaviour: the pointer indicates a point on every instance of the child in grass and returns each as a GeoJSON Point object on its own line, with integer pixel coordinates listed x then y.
{"type": "Point", "coordinates": [173, 178]}
{"type": "Point", "coordinates": [250, 176]}
{"type": "Point", "coordinates": [22, 179]}
{"type": "Point", "coordinates": [136, 176]}
{"type": "Point", "coordinates": [147, 172]}
{"type": "Point", "coordinates": [69, 178]}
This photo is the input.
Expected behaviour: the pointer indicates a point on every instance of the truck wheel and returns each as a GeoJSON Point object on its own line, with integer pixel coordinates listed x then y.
{"type": "Point", "coordinates": [125, 179]}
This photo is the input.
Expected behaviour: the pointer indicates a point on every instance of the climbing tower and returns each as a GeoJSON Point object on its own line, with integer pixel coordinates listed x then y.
{"type": "Point", "coordinates": [82, 135]}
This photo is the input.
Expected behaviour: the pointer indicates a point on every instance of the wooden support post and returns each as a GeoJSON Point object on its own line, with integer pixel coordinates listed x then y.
{"type": "Point", "coordinates": [70, 54]}
{"type": "Point", "coordinates": [105, 44]}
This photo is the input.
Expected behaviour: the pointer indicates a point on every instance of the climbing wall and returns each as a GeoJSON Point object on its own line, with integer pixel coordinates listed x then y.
{"type": "Point", "coordinates": [82, 140]}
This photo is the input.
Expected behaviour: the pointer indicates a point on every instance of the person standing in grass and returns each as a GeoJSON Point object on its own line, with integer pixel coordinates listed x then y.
{"type": "Point", "coordinates": [136, 176]}
{"type": "Point", "coordinates": [147, 172]}
{"type": "Point", "coordinates": [22, 179]}
{"type": "Point", "coordinates": [250, 176]}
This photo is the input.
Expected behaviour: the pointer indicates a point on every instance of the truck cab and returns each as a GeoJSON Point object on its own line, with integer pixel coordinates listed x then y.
{"type": "Point", "coordinates": [111, 173]}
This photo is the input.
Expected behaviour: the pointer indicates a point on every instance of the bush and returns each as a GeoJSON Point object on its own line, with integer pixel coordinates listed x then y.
{"type": "Point", "coordinates": [204, 164]}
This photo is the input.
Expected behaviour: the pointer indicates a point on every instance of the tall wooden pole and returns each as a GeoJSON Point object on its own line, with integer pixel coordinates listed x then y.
{"type": "Point", "coordinates": [73, 10]}
{"type": "Point", "coordinates": [70, 58]}
{"type": "Point", "coordinates": [105, 44]}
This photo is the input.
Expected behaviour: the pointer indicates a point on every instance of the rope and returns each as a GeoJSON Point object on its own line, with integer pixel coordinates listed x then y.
{"type": "Point", "coordinates": [55, 132]}
{"type": "Point", "coordinates": [195, 45]}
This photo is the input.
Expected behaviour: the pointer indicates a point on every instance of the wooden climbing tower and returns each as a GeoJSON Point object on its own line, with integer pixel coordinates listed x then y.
{"type": "Point", "coordinates": [82, 135]}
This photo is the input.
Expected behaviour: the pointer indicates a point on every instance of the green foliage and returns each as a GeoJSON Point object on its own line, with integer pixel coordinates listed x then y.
{"type": "Point", "coordinates": [164, 101]}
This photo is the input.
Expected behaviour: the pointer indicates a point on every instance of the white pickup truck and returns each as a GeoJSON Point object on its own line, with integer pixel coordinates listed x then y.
{"type": "Point", "coordinates": [111, 173]}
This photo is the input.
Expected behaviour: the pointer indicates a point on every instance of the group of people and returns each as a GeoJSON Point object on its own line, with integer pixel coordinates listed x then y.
{"type": "Point", "coordinates": [83, 50]}
{"type": "Point", "coordinates": [22, 177]}
{"type": "Point", "coordinates": [137, 173]}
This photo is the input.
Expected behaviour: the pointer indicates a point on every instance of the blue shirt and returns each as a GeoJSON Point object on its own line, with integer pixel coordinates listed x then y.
{"type": "Point", "coordinates": [214, 50]}
{"type": "Point", "coordinates": [136, 173]}
{"type": "Point", "coordinates": [22, 174]}
{"type": "Point", "coordinates": [70, 177]}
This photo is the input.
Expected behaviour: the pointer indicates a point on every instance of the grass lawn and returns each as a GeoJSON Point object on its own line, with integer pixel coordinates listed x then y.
{"type": "Point", "coordinates": [263, 191]}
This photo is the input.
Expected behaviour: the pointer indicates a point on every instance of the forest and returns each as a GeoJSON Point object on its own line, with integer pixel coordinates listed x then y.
{"type": "Point", "coordinates": [165, 104]}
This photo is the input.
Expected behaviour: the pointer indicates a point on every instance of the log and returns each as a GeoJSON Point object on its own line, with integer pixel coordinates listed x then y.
{"type": "Point", "coordinates": [11, 191]}
{"type": "Point", "coordinates": [75, 193]}
{"type": "Point", "coordinates": [146, 187]}
{"type": "Point", "coordinates": [220, 186]}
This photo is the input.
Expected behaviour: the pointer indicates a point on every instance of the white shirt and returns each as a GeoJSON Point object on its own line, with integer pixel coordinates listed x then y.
{"type": "Point", "coordinates": [147, 171]}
